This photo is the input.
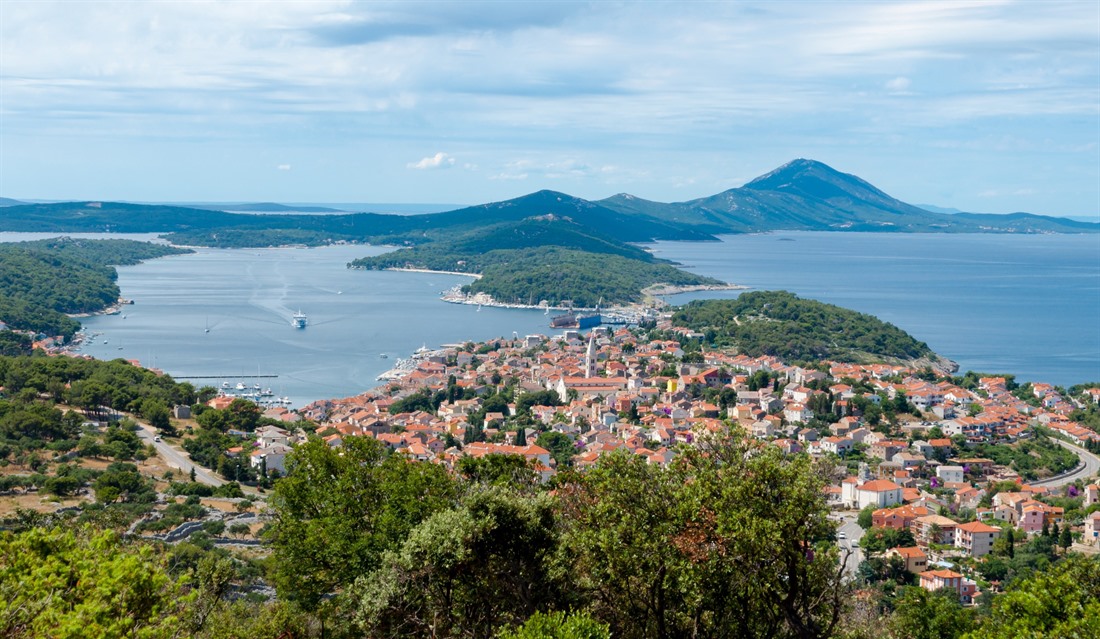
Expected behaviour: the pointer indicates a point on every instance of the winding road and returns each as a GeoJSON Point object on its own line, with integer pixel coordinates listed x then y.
{"type": "Point", "coordinates": [1089, 466]}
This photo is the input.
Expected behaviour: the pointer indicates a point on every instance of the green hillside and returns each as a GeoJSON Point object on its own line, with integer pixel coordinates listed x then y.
{"type": "Point", "coordinates": [544, 258]}
{"type": "Point", "coordinates": [42, 281]}
{"type": "Point", "coordinates": [784, 325]}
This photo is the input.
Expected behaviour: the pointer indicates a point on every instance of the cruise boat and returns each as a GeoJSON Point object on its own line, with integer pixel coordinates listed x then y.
{"type": "Point", "coordinates": [299, 320]}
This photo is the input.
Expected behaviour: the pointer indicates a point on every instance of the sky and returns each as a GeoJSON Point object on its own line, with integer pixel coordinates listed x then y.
{"type": "Point", "coordinates": [981, 106]}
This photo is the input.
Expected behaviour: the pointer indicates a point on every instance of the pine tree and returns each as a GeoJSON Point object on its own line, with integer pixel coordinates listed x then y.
{"type": "Point", "coordinates": [1011, 542]}
{"type": "Point", "coordinates": [521, 436]}
{"type": "Point", "coordinates": [1065, 540]}
{"type": "Point", "coordinates": [1046, 528]}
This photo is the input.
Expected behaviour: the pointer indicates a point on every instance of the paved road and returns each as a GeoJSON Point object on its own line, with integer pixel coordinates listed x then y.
{"type": "Point", "coordinates": [1090, 465]}
{"type": "Point", "coordinates": [853, 533]}
{"type": "Point", "coordinates": [175, 457]}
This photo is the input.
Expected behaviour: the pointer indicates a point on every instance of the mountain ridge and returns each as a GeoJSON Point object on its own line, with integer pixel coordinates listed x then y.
{"type": "Point", "coordinates": [809, 195]}
{"type": "Point", "coordinates": [801, 195]}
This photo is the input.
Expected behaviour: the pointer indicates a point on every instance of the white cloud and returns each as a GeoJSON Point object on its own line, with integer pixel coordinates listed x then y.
{"type": "Point", "coordinates": [283, 167]}
{"type": "Point", "coordinates": [438, 161]}
{"type": "Point", "coordinates": [898, 85]}
{"type": "Point", "coordinates": [682, 94]}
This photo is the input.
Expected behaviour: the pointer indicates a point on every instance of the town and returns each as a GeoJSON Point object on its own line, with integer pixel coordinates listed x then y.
{"type": "Point", "coordinates": [900, 444]}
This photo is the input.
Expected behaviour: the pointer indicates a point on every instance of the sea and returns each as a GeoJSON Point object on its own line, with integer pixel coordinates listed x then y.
{"type": "Point", "coordinates": [1027, 305]}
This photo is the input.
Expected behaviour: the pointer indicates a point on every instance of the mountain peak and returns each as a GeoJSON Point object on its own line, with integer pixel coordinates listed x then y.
{"type": "Point", "coordinates": [819, 181]}
{"type": "Point", "coordinates": [793, 170]}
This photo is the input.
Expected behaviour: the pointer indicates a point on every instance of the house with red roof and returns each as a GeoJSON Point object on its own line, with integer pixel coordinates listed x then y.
{"type": "Point", "coordinates": [976, 538]}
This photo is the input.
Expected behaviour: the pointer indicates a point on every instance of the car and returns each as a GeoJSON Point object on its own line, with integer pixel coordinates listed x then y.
{"type": "Point", "coordinates": [157, 438]}
{"type": "Point", "coordinates": [842, 535]}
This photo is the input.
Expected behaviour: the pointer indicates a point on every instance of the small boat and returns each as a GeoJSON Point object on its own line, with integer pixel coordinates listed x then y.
{"type": "Point", "coordinates": [299, 320]}
{"type": "Point", "coordinates": [240, 386]}
{"type": "Point", "coordinates": [384, 356]}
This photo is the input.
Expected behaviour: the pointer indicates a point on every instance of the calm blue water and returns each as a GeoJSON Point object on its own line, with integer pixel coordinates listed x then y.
{"type": "Point", "coordinates": [1027, 305]}
{"type": "Point", "coordinates": [247, 298]}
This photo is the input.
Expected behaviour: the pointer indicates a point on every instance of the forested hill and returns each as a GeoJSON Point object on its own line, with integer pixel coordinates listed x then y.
{"type": "Point", "coordinates": [199, 227]}
{"type": "Point", "coordinates": [545, 258]}
{"type": "Point", "coordinates": [800, 195]}
{"type": "Point", "coordinates": [782, 324]}
{"type": "Point", "coordinates": [42, 281]}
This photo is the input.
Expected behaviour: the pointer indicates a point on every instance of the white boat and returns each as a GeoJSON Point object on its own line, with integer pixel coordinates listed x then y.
{"type": "Point", "coordinates": [299, 320]}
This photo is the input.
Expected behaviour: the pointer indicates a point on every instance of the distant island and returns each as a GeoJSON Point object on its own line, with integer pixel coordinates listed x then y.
{"type": "Point", "coordinates": [548, 259]}
{"type": "Point", "coordinates": [547, 246]}
{"type": "Point", "coordinates": [803, 195]}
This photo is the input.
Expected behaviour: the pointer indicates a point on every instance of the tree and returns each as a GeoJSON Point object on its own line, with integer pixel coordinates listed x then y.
{"type": "Point", "coordinates": [560, 446]}
{"type": "Point", "coordinates": [921, 614]}
{"type": "Point", "coordinates": [122, 481]}
{"type": "Point", "coordinates": [865, 518]}
{"type": "Point", "coordinates": [1063, 601]}
{"type": "Point", "coordinates": [498, 470]}
{"type": "Point", "coordinates": [76, 583]}
{"type": "Point", "coordinates": [1005, 545]}
{"type": "Point", "coordinates": [239, 529]}
{"type": "Point", "coordinates": [337, 511]}
{"type": "Point", "coordinates": [1065, 540]}
{"type": "Point", "coordinates": [559, 625]}
{"type": "Point", "coordinates": [732, 539]}
{"type": "Point", "coordinates": [466, 571]}
{"type": "Point", "coordinates": [158, 415]}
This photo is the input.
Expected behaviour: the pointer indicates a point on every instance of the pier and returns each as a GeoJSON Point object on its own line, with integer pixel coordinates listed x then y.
{"type": "Point", "coordinates": [223, 376]}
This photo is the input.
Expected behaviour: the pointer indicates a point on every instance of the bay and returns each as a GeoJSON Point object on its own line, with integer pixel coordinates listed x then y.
{"type": "Point", "coordinates": [1027, 305]}
{"type": "Point", "coordinates": [247, 297]}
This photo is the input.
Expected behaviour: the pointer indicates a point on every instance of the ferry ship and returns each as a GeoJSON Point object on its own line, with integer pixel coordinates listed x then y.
{"type": "Point", "coordinates": [574, 320]}
{"type": "Point", "coordinates": [299, 320]}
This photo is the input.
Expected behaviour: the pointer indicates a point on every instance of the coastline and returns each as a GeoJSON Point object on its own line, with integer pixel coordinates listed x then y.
{"type": "Point", "coordinates": [113, 309]}
{"type": "Point", "coordinates": [476, 276]}
{"type": "Point", "coordinates": [660, 290]}
{"type": "Point", "coordinates": [651, 297]}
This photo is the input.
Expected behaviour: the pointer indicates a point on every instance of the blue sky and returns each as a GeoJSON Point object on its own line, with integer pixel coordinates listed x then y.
{"type": "Point", "coordinates": [982, 106]}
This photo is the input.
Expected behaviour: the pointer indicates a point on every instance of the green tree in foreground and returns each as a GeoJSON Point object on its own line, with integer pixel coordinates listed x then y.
{"type": "Point", "coordinates": [337, 511]}
{"type": "Point", "coordinates": [466, 572]}
{"type": "Point", "coordinates": [1061, 602]}
{"type": "Point", "coordinates": [731, 540]}
{"type": "Point", "coordinates": [921, 614]}
{"type": "Point", "coordinates": [559, 625]}
{"type": "Point", "coordinates": [56, 583]}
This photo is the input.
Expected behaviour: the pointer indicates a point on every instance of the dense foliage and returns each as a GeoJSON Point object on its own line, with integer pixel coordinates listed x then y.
{"type": "Point", "coordinates": [1033, 458]}
{"type": "Point", "coordinates": [61, 583]}
{"type": "Point", "coordinates": [42, 281]}
{"type": "Point", "coordinates": [782, 324]}
{"type": "Point", "coordinates": [542, 259]}
{"type": "Point", "coordinates": [730, 540]}
{"type": "Point", "coordinates": [553, 274]}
